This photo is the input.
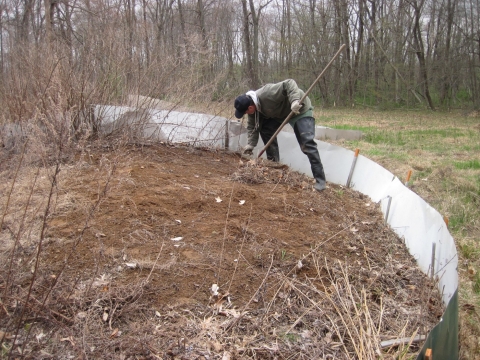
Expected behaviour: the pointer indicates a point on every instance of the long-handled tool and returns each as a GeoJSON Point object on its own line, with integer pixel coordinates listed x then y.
{"type": "Point", "coordinates": [301, 102]}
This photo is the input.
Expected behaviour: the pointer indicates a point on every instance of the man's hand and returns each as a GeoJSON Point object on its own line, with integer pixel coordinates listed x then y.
{"type": "Point", "coordinates": [296, 106]}
{"type": "Point", "coordinates": [248, 150]}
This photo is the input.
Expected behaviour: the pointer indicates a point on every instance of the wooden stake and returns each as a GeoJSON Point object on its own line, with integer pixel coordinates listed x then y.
{"type": "Point", "coordinates": [428, 354]}
{"type": "Point", "coordinates": [402, 341]}
{"type": "Point", "coordinates": [227, 135]}
{"type": "Point", "coordinates": [408, 177]}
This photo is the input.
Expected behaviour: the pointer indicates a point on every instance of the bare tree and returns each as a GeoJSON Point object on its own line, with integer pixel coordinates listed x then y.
{"type": "Point", "coordinates": [446, 80]}
{"type": "Point", "coordinates": [419, 48]}
{"type": "Point", "coordinates": [247, 46]}
{"type": "Point", "coordinates": [396, 50]}
{"type": "Point", "coordinates": [250, 40]}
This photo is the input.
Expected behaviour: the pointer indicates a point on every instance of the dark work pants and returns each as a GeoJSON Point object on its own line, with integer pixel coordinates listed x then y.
{"type": "Point", "coordinates": [305, 132]}
{"type": "Point", "coordinates": [269, 126]}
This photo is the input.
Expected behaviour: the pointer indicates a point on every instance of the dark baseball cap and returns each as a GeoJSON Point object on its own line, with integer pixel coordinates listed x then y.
{"type": "Point", "coordinates": [242, 103]}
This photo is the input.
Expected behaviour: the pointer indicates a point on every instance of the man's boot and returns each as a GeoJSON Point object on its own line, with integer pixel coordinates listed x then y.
{"type": "Point", "coordinates": [305, 132]}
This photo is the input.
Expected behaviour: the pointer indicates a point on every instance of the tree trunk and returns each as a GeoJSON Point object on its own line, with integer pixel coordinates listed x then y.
{"type": "Point", "coordinates": [48, 20]}
{"type": "Point", "coordinates": [288, 40]}
{"type": "Point", "coordinates": [201, 22]}
{"type": "Point", "coordinates": [24, 28]}
{"type": "Point", "coordinates": [356, 63]}
{"type": "Point", "coordinates": [445, 93]}
{"type": "Point", "coordinates": [372, 48]}
{"type": "Point", "coordinates": [255, 21]}
{"type": "Point", "coordinates": [1, 44]}
{"type": "Point", "coordinates": [247, 45]}
{"type": "Point", "coordinates": [420, 51]}
{"type": "Point", "coordinates": [146, 44]}
{"type": "Point", "coordinates": [207, 65]}
{"type": "Point", "coordinates": [344, 68]}
{"type": "Point", "coordinates": [184, 32]}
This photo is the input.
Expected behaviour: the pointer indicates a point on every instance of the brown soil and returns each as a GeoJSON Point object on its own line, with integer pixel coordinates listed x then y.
{"type": "Point", "coordinates": [139, 235]}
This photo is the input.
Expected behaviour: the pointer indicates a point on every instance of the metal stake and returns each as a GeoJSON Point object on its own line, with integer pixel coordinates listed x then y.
{"type": "Point", "coordinates": [388, 207]}
{"type": "Point", "coordinates": [432, 266]}
{"type": "Point", "coordinates": [353, 167]}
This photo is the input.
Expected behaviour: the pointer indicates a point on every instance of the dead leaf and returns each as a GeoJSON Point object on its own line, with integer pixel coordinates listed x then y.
{"type": "Point", "coordinates": [216, 346]}
{"type": "Point", "coordinates": [328, 338]}
{"type": "Point", "coordinates": [471, 271]}
{"type": "Point", "coordinates": [306, 334]}
{"type": "Point", "coordinates": [468, 307]}
{"type": "Point", "coordinates": [214, 290]}
{"type": "Point", "coordinates": [4, 335]}
{"type": "Point", "coordinates": [274, 347]}
{"type": "Point", "coordinates": [230, 312]}
{"type": "Point", "coordinates": [114, 333]}
{"type": "Point", "coordinates": [69, 339]}
{"type": "Point", "coordinates": [82, 315]}
{"type": "Point", "coordinates": [102, 280]}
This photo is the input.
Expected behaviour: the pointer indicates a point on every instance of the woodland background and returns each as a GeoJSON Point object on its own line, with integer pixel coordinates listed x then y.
{"type": "Point", "coordinates": [405, 53]}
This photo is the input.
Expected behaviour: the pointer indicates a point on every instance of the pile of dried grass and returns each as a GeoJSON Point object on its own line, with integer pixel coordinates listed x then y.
{"type": "Point", "coordinates": [264, 171]}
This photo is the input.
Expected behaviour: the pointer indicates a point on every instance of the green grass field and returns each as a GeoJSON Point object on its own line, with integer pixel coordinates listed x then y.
{"type": "Point", "coordinates": [443, 152]}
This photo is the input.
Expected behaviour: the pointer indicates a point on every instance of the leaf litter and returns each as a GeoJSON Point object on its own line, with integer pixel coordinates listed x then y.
{"type": "Point", "coordinates": [294, 272]}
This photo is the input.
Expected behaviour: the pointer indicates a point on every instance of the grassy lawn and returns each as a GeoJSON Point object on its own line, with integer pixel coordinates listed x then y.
{"type": "Point", "coordinates": [443, 151]}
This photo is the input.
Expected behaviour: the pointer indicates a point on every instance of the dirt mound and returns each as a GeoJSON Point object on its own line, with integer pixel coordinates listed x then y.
{"type": "Point", "coordinates": [172, 252]}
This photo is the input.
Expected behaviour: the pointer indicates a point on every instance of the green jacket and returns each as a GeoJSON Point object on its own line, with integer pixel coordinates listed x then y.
{"type": "Point", "coordinates": [274, 104]}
